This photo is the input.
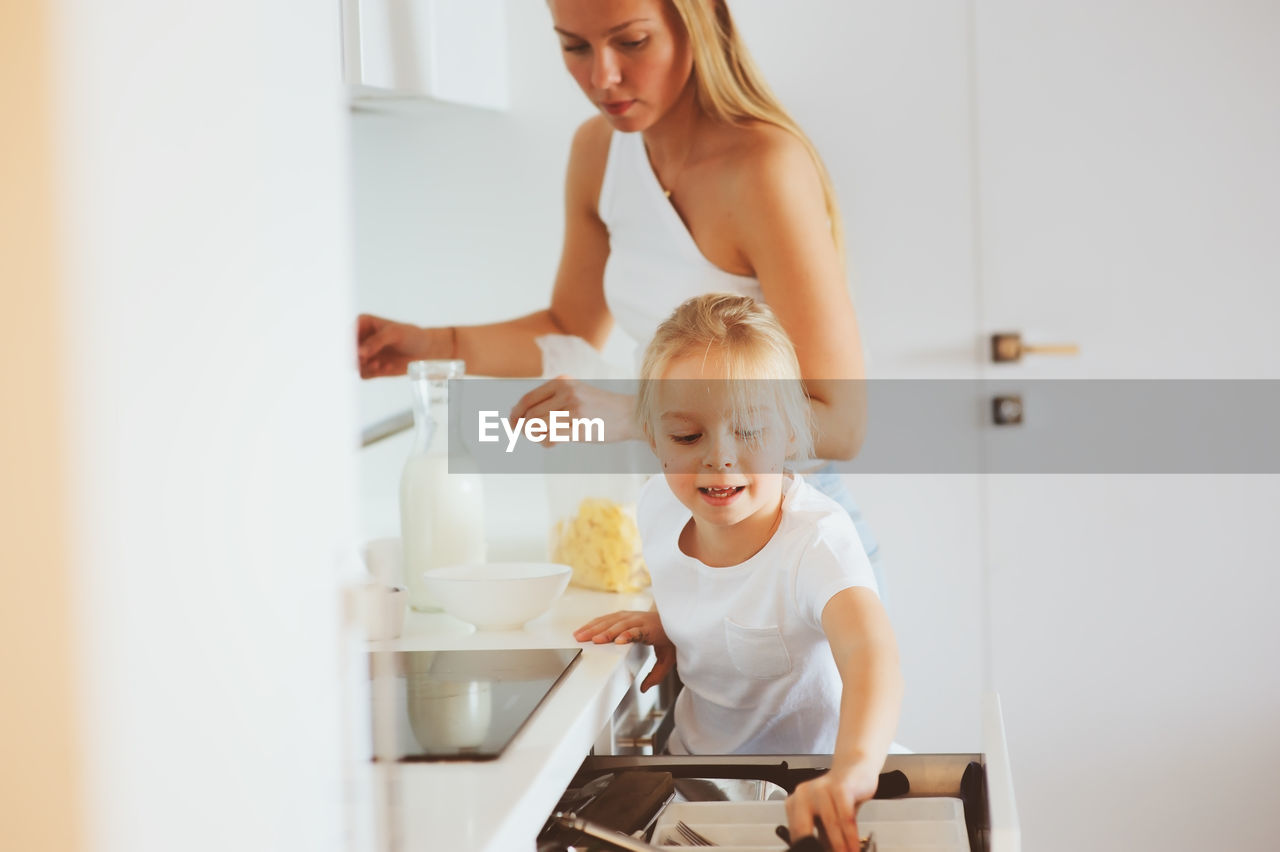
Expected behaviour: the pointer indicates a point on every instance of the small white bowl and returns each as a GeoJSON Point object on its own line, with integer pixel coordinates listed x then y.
{"type": "Point", "coordinates": [499, 595]}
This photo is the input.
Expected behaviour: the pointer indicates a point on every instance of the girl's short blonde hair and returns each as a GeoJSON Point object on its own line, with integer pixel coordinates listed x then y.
{"type": "Point", "coordinates": [757, 353]}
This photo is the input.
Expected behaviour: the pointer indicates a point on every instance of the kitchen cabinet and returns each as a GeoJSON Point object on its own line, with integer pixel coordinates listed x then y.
{"type": "Point", "coordinates": [501, 804]}
{"type": "Point", "coordinates": [407, 51]}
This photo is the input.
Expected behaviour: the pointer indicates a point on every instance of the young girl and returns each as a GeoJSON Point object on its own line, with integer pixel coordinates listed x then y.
{"type": "Point", "coordinates": [762, 593]}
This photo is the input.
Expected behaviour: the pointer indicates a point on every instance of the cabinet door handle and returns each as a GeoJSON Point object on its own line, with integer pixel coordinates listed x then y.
{"type": "Point", "coordinates": [1007, 347]}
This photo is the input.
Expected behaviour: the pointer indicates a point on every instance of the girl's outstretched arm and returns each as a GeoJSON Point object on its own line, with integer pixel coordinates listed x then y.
{"type": "Point", "coordinates": [866, 653]}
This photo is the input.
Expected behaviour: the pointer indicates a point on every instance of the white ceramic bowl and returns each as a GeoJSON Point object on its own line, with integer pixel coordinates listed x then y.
{"type": "Point", "coordinates": [498, 595]}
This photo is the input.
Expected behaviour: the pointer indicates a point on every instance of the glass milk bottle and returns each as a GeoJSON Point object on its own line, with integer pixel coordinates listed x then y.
{"type": "Point", "coordinates": [441, 513]}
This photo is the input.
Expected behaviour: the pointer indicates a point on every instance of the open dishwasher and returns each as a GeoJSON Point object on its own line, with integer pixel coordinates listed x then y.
{"type": "Point", "coordinates": [925, 802]}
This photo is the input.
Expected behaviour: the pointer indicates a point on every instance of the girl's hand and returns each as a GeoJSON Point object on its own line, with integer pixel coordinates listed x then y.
{"type": "Point", "coordinates": [834, 799]}
{"type": "Point", "coordinates": [627, 626]}
{"type": "Point", "coordinates": [580, 399]}
{"type": "Point", "coordinates": [385, 347]}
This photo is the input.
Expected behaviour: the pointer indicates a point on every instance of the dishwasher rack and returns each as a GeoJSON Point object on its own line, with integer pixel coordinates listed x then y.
{"type": "Point", "coordinates": [961, 776]}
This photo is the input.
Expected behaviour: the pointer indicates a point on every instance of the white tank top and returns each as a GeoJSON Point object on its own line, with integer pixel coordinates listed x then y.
{"type": "Point", "coordinates": [654, 265]}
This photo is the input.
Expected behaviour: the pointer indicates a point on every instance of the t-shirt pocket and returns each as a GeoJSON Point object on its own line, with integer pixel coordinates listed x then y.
{"type": "Point", "coordinates": [757, 652]}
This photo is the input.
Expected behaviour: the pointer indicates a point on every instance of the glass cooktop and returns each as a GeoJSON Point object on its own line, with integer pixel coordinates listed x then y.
{"type": "Point", "coordinates": [458, 705]}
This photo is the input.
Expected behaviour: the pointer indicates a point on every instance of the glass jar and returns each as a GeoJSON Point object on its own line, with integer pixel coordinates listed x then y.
{"type": "Point", "coordinates": [441, 511]}
{"type": "Point", "coordinates": [593, 529]}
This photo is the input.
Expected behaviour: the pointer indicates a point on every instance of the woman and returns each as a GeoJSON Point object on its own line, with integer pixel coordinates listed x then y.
{"type": "Point", "coordinates": [691, 179]}
{"type": "Point", "coordinates": [748, 208]}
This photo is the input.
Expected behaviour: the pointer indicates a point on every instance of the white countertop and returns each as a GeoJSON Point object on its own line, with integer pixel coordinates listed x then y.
{"type": "Point", "coordinates": [500, 805]}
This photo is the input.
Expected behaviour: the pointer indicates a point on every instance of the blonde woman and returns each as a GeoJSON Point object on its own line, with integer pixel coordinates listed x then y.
{"type": "Point", "coordinates": [692, 179]}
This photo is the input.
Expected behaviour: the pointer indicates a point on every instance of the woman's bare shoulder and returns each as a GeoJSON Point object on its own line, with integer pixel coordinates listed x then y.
{"type": "Point", "coordinates": [588, 156]}
{"type": "Point", "coordinates": [765, 171]}
{"type": "Point", "coordinates": [590, 147]}
{"type": "Point", "coordinates": [758, 148]}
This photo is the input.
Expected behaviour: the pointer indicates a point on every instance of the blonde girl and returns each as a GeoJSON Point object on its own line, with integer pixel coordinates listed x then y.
{"type": "Point", "coordinates": [763, 596]}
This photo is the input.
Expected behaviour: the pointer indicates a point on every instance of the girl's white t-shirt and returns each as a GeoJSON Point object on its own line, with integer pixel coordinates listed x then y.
{"type": "Point", "coordinates": [758, 673]}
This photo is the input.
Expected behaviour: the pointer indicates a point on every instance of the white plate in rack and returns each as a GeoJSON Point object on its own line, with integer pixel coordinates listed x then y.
{"type": "Point", "coordinates": [932, 824]}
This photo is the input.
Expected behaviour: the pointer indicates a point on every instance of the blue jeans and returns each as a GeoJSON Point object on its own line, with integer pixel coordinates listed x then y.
{"type": "Point", "coordinates": [828, 481]}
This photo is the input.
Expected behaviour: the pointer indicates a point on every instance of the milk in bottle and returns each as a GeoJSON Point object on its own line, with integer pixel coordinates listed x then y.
{"type": "Point", "coordinates": [441, 513]}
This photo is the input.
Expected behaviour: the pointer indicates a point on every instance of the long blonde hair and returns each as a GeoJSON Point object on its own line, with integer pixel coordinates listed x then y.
{"type": "Point", "coordinates": [731, 88]}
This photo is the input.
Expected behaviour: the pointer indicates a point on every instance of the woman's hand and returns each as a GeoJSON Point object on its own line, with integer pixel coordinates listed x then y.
{"type": "Point", "coordinates": [385, 347]}
{"type": "Point", "coordinates": [627, 626]}
{"type": "Point", "coordinates": [580, 399]}
{"type": "Point", "coordinates": [833, 798]}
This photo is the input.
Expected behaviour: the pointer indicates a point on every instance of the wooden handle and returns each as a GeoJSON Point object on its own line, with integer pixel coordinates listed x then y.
{"type": "Point", "coordinates": [1052, 348]}
{"type": "Point", "coordinates": [1008, 346]}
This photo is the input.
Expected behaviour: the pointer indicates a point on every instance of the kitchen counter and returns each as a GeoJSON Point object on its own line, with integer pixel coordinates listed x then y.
{"type": "Point", "coordinates": [500, 805]}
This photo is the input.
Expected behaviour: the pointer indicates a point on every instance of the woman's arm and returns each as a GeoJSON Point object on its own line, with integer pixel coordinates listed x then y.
{"type": "Point", "coordinates": [385, 347]}
{"type": "Point", "coordinates": [866, 654]}
{"type": "Point", "coordinates": [780, 219]}
{"type": "Point", "coordinates": [508, 348]}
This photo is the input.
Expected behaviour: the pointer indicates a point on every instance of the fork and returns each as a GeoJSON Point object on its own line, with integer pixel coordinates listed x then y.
{"type": "Point", "coordinates": [692, 837]}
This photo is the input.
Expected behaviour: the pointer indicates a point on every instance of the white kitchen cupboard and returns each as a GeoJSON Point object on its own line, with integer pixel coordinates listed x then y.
{"type": "Point", "coordinates": [1128, 202]}
{"type": "Point", "coordinates": [196, 166]}
{"type": "Point", "coordinates": [442, 50]}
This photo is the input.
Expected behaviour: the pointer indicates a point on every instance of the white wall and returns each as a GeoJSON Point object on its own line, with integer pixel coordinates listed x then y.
{"type": "Point", "coordinates": [458, 218]}
{"type": "Point", "coordinates": [205, 244]}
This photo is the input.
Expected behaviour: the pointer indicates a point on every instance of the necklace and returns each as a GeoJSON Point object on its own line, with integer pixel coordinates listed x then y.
{"type": "Point", "coordinates": [683, 162]}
